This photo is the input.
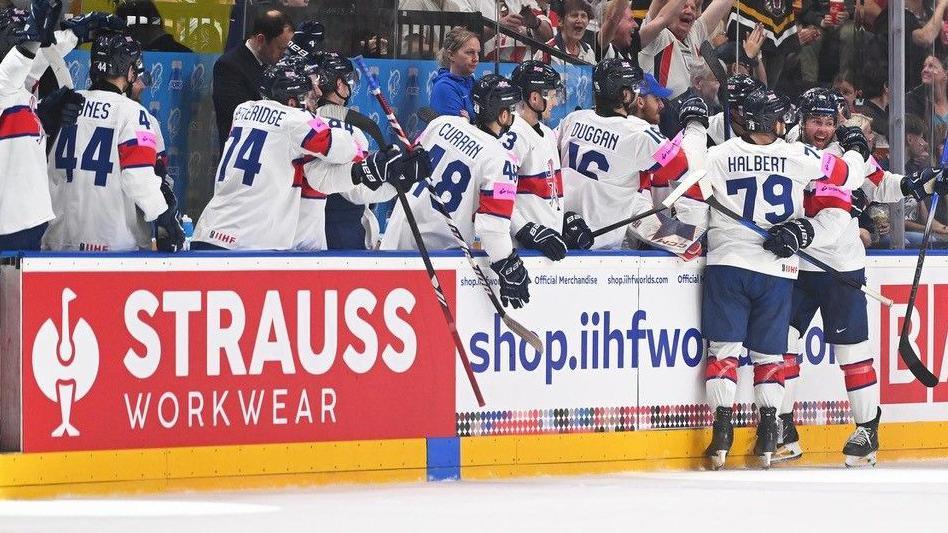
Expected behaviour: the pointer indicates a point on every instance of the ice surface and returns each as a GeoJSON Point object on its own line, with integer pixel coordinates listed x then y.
{"type": "Point", "coordinates": [898, 497]}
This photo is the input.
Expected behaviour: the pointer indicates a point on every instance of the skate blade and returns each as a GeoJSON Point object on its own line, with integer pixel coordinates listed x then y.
{"type": "Point", "coordinates": [787, 452]}
{"type": "Point", "coordinates": [853, 461]}
{"type": "Point", "coordinates": [766, 459]}
{"type": "Point", "coordinates": [717, 459]}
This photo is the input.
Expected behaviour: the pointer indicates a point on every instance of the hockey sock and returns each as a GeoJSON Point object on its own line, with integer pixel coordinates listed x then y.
{"type": "Point", "coordinates": [768, 380]}
{"type": "Point", "coordinates": [862, 387]}
{"type": "Point", "coordinates": [791, 373]}
{"type": "Point", "coordinates": [721, 381]}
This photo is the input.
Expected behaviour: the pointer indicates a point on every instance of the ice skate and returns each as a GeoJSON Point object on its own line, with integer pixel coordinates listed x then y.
{"type": "Point", "coordinates": [788, 447]}
{"type": "Point", "coordinates": [863, 444]}
{"type": "Point", "coordinates": [767, 430]}
{"type": "Point", "coordinates": [722, 437]}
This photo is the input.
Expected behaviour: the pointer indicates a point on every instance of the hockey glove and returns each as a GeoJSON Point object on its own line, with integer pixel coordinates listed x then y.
{"type": "Point", "coordinates": [693, 108]}
{"type": "Point", "coordinates": [42, 22]}
{"type": "Point", "coordinates": [852, 138]}
{"type": "Point", "coordinates": [415, 167]}
{"type": "Point", "coordinates": [576, 234]}
{"type": "Point", "coordinates": [307, 38]}
{"type": "Point", "coordinates": [859, 203]}
{"type": "Point", "coordinates": [371, 172]}
{"type": "Point", "coordinates": [790, 237]}
{"type": "Point", "coordinates": [85, 26]}
{"type": "Point", "coordinates": [543, 239]}
{"type": "Point", "coordinates": [513, 281]}
{"type": "Point", "coordinates": [60, 108]}
{"type": "Point", "coordinates": [914, 184]}
{"type": "Point", "coordinates": [170, 236]}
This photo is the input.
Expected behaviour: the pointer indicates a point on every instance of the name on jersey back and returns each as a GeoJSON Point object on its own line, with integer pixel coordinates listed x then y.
{"type": "Point", "coordinates": [261, 114]}
{"type": "Point", "coordinates": [757, 163]}
{"type": "Point", "coordinates": [593, 134]}
{"type": "Point", "coordinates": [97, 110]}
{"type": "Point", "coordinates": [460, 140]}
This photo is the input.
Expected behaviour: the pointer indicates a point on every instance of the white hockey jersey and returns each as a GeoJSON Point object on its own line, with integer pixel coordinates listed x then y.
{"type": "Point", "coordinates": [765, 184]}
{"type": "Point", "coordinates": [609, 164]}
{"type": "Point", "coordinates": [66, 41]}
{"type": "Point", "coordinates": [256, 205]}
{"type": "Point", "coordinates": [476, 178]}
{"type": "Point", "coordinates": [24, 192]}
{"type": "Point", "coordinates": [539, 180]}
{"type": "Point", "coordinates": [101, 172]}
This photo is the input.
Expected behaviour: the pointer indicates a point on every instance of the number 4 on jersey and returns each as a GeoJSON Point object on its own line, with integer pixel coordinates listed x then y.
{"type": "Point", "coordinates": [97, 157]}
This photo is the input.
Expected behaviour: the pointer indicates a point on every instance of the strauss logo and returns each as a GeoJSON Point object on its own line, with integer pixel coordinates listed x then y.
{"type": "Point", "coordinates": [65, 363]}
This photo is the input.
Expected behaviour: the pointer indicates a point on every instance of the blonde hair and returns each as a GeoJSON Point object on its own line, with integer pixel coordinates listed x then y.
{"type": "Point", "coordinates": [859, 120]}
{"type": "Point", "coordinates": [453, 42]}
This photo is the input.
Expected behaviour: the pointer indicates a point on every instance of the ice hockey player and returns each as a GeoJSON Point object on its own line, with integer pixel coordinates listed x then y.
{"type": "Point", "coordinates": [476, 179]}
{"type": "Point", "coordinates": [843, 309]}
{"type": "Point", "coordinates": [538, 214]}
{"type": "Point", "coordinates": [336, 77]}
{"type": "Point", "coordinates": [102, 170]}
{"type": "Point", "coordinates": [761, 177]}
{"type": "Point", "coordinates": [722, 126]}
{"type": "Point", "coordinates": [610, 158]}
{"type": "Point", "coordinates": [255, 204]}
{"type": "Point", "coordinates": [25, 207]}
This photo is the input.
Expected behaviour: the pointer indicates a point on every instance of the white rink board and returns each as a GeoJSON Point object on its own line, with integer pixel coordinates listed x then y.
{"type": "Point", "coordinates": [657, 315]}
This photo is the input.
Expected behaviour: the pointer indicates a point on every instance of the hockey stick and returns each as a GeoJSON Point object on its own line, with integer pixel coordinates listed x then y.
{"type": "Point", "coordinates": [355, 118]}
{"type": "Point", "coordinates": [906, 350]}
{"type": "Point", "coordinates": [673, 196]}
{"type": "Point", "coordinates": [711, 58]}
{"type": "Point", "coordinates": [837, 275]}
{"type": "Point", "coordinates": [514, 326]}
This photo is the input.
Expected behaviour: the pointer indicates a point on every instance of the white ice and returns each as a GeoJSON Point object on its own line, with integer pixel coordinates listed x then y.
{"type": "Point", "coordinates": [894, 497]}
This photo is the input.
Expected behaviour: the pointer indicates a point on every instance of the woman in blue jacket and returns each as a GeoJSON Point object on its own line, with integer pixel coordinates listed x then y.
{"type": "Point", "coordinates": [451, 87]}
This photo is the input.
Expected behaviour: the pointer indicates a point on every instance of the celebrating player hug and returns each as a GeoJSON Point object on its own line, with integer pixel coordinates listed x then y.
{"type": "Point", "coordinates": [763, 193]}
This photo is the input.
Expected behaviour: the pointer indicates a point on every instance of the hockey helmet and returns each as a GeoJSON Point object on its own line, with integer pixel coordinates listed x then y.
{"type": "Point", "coordinates": [335, 66]}
{"type": "Point", "coordinates": [739, 86]}
{"type": "Point", "coordinates": [492, 94]}
{"type": "Point", "coordinates": [819, 102]}
{"type": "Point", "coordinates": [287, 79]}
{"type": "Point", "coordinates": [535, 75]}
{"type": "Point", "coordinates": [613, 75]}
{"type": "Point", "coordinates": [112, 55]}
{"type": "Point", "coordinates": [762, 110]}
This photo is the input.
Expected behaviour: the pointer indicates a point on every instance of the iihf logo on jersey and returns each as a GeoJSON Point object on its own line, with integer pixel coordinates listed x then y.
{"type": "Point", "coordinates": [156, 70]}
{"type": "Point", "coordinates": [394, 82]}
{"type": "Point", "coordinates": [174, 123]}
{"type": "Point", "coordinates": [65, 362]}
{"type": "Point", "coordinates": [197, 77]}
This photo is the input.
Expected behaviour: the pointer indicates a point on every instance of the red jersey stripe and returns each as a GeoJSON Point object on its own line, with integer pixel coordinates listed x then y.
{"type": "Point", "coordinates": [493, 206]}
{"type": "Point", "coordinates": [19, 121]}
{"type": "Point", "coordinates": [134, 155]}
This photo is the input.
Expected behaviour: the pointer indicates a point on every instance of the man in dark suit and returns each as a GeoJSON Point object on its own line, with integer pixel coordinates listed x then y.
{"type": "Point", "coordinates": [237, 73]}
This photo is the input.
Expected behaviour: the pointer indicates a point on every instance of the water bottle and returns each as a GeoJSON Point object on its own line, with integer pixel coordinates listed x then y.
{"type": "Point", "coordinates": [176, 83]}
{"type": "Point", "coordinates": [188, 225]}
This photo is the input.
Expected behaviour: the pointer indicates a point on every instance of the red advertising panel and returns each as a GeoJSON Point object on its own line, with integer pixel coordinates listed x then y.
{"type": "Point", "coordinates": [233, 357]}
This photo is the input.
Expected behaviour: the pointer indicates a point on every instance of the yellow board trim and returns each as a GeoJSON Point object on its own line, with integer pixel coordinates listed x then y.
{"type": "Point", "coordinates": [405, 460]}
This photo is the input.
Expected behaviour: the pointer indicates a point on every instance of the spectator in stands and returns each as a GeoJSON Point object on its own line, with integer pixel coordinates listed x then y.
{"type": "Point", "coordinates": [673, 54]}
{"type": "Point", "coordinates": [238, 71]}
{"type": "Point", "coordinates": [918, 153]}
{"type": "Point", "coordinates": [428, 5]}
{"type": "Point", "coordinates": [930, 99]}
{"type": "Point", "coordinates": [703, 84]}
{"type": "Point", "coordinates": [843, 83]}
{"type": "Point", "coordinates": [621, 36]}
{"type": "Point", "coordinates": [451, 87]}
{"type": "Point", "coordinates": [748, 61]}
{"type": "Point", "coordinates": [922, 29]}
{"type": "Point", "coordinates": [918, 156]}
{"type": "Point", "coordinates": [574, 18]}
{"type": "Point", "coordinates": [872, 84]}
{"type": "Point", "coordinates": [147, 27]}
{"type": "Point", "coordinates": [779, 21]}
{"type": "Point", "coordinates": [816, 14]}
{"type": "Point", "coordinates": [522, 16]}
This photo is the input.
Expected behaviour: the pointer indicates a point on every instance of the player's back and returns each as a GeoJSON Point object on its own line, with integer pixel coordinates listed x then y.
{"type": "Point", "coordinates": [466, 164]}
{"type": "Point", "coordinates": [762, 183]}
{"type": "Point", "coordinates": [24, 194]}
{"type": "Point", "coordinates": [100, 170]}
{"type": "Point", "coordinates": [255, 204]}
{"type": "Point", "coordinates": [602, 158]}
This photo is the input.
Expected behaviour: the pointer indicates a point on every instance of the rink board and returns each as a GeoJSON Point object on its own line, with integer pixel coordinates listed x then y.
{"type": "Point", "coordinates": [209, 370]}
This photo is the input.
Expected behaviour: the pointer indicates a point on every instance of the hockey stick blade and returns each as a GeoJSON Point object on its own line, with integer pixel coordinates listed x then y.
{"type": "Point", "coordinates": [711, 58]}
{"type": "Point", "coordinates": [426, 114]}
{"type": "Point", "coordinates": [914, 364]}
{"type": "Point", "coordinates": [690, 180]}
{"type": "Point", "coordinates": [837, 275]}
{"type": "Point", "coordinates": [532, 338]}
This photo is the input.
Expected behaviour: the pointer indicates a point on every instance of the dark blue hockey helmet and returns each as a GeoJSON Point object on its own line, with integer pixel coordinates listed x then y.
{"type": "Point", "coordinates": [492, 94]}
{"type": "Point", "coordinates": [285, 80]}
{"type": "Point", "coordinates": [112, 55]}
{"type": "Point", "coordinates": [612, 76]}
{"type": "Point", "coordinates": [761, 110]}
{"type": "Point", "coordinates": [819, 102]}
